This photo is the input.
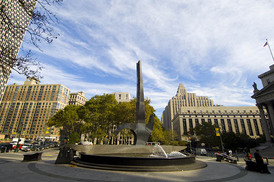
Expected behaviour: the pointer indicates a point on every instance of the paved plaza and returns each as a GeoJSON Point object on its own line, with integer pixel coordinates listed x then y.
{"type": "Point", "coordinates": [13, 169]}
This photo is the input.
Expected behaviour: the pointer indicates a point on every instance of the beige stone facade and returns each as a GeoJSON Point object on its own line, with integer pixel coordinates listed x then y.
{"type": "Point", "coordinates": [11, 35]}
{"type": "Point", "coordinates": [78, 98]}
{"type": "Point", "coordinates": [244, 120]}
{"type": "Point", "coordinates": [122, 96]}
{"type": "Point", "coordinates": [25, 109]}
{"type": "Point", "coordinates": [185, 112]}
{"type": "Point", "coordinates": [182, 99]}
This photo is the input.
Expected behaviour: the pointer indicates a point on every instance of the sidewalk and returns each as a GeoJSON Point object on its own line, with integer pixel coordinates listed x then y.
{"type": "Point", "coordinates": [13, 169]}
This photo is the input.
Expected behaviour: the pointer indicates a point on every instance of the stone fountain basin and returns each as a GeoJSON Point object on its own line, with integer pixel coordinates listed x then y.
{"type": "Point", "coordinates": [132, 158]}
{"type": "Point", "coordinates": [122, 149]}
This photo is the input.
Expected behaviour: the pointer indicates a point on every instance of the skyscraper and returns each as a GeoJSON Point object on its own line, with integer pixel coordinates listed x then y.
{"type": "Point", "coordinates": [185, 111]}
{"type": "Point", "coordinates": [183, 99]}
{"type": "Point", "coordinates": [26, 109]}
{"type": "Point", "coordinates": [15, 16]}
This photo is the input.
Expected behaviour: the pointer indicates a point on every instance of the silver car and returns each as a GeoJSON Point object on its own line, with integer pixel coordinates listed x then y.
{"type": "Point", "coordinates": [26, 147]}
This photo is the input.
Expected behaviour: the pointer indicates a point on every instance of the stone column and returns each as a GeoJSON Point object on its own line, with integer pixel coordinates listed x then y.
{"type": "Point", "coordinates": [264, 124]}
{"type": "Point", "coordinates": [271, 116]}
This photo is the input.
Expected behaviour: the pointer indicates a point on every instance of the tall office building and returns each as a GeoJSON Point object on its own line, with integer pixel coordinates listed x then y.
{"type": "Point", "coordinates": [184, 113]}
{"type": "Point", "coordinates": [78, 98]}
{"type": "Point", "coordinates": [26, 109]}
{"type": "Point", "coordinates": [14, 22]}
{"type": "Point", "coordinates": [183, 99]}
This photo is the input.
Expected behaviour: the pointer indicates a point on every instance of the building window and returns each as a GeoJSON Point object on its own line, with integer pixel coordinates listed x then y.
{"type": "Point", "coordinates": [256, 127]}
{"type": "Point", "coordinates": [190, 123]}
{"type": "Point", "coordinates": [236, 126]}
{"type": "Point", "coordinates": [196, 122]}
{"type": "Point", "coordinates": [209, 121]}
{"type": "Point", "coordinates": [229, 125]}
{"type": "Point", "coordinates": [184, 126]}
{"type": "Point", "coordinates": [223, 125]}
{"type": "Point", "coordinates": [216, 122]}
{"type": "Point", "coordinates": [249, 127]}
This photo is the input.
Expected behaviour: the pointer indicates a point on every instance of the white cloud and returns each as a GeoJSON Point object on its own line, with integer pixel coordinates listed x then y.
{"type": "Point", "coordinates": [215, 48]}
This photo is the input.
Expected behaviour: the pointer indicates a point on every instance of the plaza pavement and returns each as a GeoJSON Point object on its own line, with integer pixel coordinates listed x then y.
{"type": "Point", "coordinates": [13, 169]}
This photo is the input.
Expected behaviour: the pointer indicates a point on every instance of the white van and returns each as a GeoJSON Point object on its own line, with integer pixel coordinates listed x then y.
{"type": "Point", "coordinates": [201, 151]}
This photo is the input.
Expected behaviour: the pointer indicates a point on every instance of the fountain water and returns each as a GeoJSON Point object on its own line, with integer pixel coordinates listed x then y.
{"type": "Point", "coordinates": [158, 151]}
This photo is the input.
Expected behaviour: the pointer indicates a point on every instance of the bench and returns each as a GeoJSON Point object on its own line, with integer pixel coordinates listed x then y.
{"type": "Point", "coordinates": [33, 157]}
{"type": "Point", "coordinates": [220, 157]}
{"type": "Point", "coordinates": [253, 166]}
{"type": "Point", "coordinates": [231, 159]}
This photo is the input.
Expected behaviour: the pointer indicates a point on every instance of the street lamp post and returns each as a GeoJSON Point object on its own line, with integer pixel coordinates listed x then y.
{"type": "Point", "coordinates": [218, 133]}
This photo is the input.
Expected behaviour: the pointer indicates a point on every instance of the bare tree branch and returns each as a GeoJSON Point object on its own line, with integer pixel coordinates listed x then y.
{"type": "Point", "coordinates": [12, 30]}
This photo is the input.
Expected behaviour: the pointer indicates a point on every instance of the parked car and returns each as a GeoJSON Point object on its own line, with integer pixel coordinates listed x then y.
{"type": "Point", "coordinates": [36, 146]}
{"type": "Point", "coordinates": [56, 144]}
{"type": "Point", "coordinates": [5, 147]}
{"type": "Point", "coordinates": [201, 151]}
{"type": "Point", "coordinates": [26, 147]}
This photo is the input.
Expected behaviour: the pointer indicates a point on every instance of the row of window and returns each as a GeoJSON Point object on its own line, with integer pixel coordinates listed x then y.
{"type": "Point", "coordinates": [227, 127]}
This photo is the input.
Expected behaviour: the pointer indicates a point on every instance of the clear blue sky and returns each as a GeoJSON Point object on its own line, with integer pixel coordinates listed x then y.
{"type": "Point", "coordinates": [215, 48]}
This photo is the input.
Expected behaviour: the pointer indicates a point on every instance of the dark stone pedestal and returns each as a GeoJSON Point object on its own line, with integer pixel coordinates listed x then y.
{"type": "Point", "coordinates": [33, 157]}
{"type": "Point", "coordinates": [65, 155]}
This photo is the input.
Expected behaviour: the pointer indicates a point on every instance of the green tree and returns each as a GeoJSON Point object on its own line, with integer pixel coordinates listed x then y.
{"type": "Point", "coordinates": [125, 112]}
{"type": "Point", "coordinates": [231, 140]}
{"type": "Point", "coordinates": [69, 120]}
{"type": "Point", "coordinates": [99, 114]}
{"type": "Point", "coordinates": [206, 134]}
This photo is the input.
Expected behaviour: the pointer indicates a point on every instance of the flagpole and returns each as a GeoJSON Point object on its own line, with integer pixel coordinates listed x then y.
{"type": "Point", "coordinates": [270, 49]}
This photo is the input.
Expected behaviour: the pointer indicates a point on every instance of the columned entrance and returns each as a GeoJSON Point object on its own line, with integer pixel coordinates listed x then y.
{"type": "Point", "coordinates": [265, 102]}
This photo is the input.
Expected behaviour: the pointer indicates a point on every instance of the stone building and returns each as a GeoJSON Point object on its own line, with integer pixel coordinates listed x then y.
{"type": "Point", "coordinates": [77, 98]}
{"type": "Point", "coordinates": [26, 109]}
{"type": "Point", "coordinates": [121, 96]}
{"type": "Point", "coordinates": [184, 113]}
{"type": "Point", "coordinates": [244, 120]}
{"type": "Point", "coordinates": [265, 102]}
{"type": "Point", "coordinates": [182, 99]}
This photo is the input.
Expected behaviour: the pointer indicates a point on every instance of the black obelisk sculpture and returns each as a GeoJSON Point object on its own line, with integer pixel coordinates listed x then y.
{"type": "Point", "coordinates": [140, 104]}
{"type": "Point", "coordinates": [140, 130]}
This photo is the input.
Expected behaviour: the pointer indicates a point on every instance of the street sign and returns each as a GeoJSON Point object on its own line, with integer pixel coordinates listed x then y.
{"type": "Point", "coordinates": [217, 131]}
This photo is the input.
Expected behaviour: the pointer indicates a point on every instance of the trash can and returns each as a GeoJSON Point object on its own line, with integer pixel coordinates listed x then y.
{"type": "Point", "coordinates": [2, 149]}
